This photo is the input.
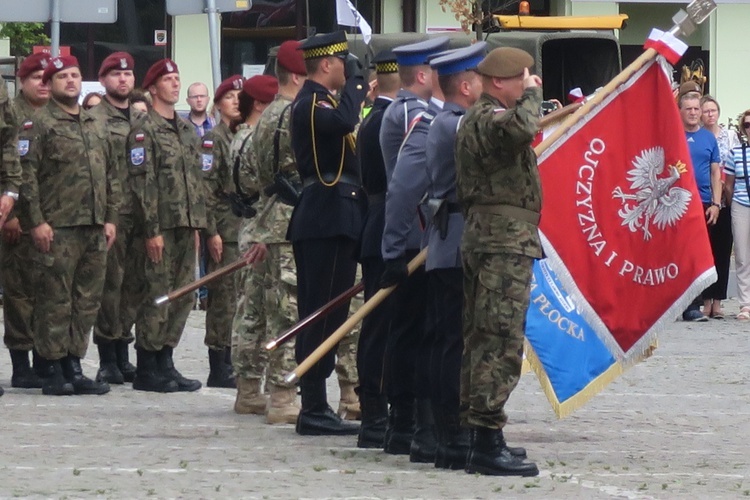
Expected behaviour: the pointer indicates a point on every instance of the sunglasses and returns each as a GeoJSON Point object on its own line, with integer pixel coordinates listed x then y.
{"type": "Point", "coordinates": [746, 124]}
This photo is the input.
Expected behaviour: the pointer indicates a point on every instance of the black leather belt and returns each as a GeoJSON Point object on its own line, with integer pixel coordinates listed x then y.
{"type": "Point", "coordinates": [330, 178]}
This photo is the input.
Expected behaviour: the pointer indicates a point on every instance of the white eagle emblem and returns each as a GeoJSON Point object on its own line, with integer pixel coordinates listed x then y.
{"type": "Point", "coordinates": [654, 200]}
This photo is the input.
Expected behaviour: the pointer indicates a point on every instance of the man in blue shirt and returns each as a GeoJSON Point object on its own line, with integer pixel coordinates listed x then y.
{"type": "Point", "coordinates": [704, 153]}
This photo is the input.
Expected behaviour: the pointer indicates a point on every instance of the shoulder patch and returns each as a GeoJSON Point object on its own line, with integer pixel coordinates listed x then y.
{"type": "Point", "coordinates": [28, 124]}
{"type": "Point", "coordinates": [324, 104]}
{"type": "Point", "coordinates": [208, 143]}
{"type": "Point", "coordinates": [208, 162]}
{"type": "Point", "coordinates": [23, 147]}
{"type": "Point", "coordinates": [140, 137]}
{"type": "Point", "coordinates": [137, 156]}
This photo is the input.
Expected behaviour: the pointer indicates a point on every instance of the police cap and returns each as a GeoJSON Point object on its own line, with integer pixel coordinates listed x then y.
{"type": "Point", "coordinates": [385, 62]}
{"type": "Point", "coordinates": [505, 62]}
{"type": "Point", "coordinates": [324, 45]}
{"type": "Point", "coordinates": [417, 54]}
{"type": "Point", "coordinates": [458, 60]}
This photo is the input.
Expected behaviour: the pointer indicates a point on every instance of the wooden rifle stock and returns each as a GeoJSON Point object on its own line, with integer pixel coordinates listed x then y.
{"type": "Point", "coordinates": [316, 316]}
{"type": "Point", "coordinates": [223, 271]}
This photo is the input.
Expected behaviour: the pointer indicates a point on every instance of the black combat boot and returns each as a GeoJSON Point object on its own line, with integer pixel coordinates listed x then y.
{"type": "Point", "coordinates": [219, 375]}
{"type": "Point", "coordinates": [374, 420]}
{"type": "Point", "coordinates": [42, 367]}
{"type": "Point", "coordinates": [453, 447]}
{"type": "Point", "coordinates": [71, 366]}
{"type": "Point", "coordinates": [228, 360]}
{"type": "Point", "coordinates": [148, 377]}
{"type": "Point", "coordinates": [490, 455]}
{"type": "Point", "coordinates": [56, 384]}
{"type": "Point", "coordinates": [108, 370]}
{"type": "Point", "coordinates": [23, 376]}
{"type": "Point", "coordinates": [317, 418]}
{"type": "Point", "coordinates": [400, 429]}
{"type": "Point", "coordinates": [166, 367]}
{"type": "Point", "coordinates": [123, 360]}
{"type": "Point", "coordinates": [423, 443]}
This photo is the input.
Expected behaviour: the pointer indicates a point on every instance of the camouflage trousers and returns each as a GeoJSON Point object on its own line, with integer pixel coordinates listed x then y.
{"type": "Point", "coordinates": [119, 307]}
{"type": "Point", "coordinates": [159, 326]}
{"type": "Point", "coordinates": [496, 297]}
{"type": "Point", "coordinates": [267, 306]}
{"type": "Point", "coordinates": [346, 354]}
{"type": "Point", "coordinates": [69, 291]}
{"type": "Point", "coordinates": [222, 301]}
{"type": "Point", "coordinates": [19, 275]}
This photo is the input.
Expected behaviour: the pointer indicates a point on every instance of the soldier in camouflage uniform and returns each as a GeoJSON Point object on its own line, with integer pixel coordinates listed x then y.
{"type": "Point", "coordinates": [10, 167]}
{"type": "Point", "coordinates": [169, 193]}
{"type": "Point", "coordinates": [217, 172]}
{"type": "Point", "coordinates": [18, 271]}
{"type": "Point", "coordinates": [500, 193]}
{"type": "Point", "coordinates": [112, 330]}
{"type": "Point", "coordinates": [268, 291]}
{"type": "Point", "coordinates": [71, 197]}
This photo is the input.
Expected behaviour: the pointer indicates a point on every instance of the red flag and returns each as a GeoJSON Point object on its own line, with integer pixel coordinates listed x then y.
{"type": "Point", "coordinates": [622, 221]}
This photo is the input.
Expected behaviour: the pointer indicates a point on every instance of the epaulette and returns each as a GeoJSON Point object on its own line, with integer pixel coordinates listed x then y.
{"type": "Point", "coordinates": [426, 117]}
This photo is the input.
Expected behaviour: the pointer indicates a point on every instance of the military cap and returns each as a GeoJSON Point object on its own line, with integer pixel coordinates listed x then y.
{"type": "Point", "coordinates": [290, 58]}
{"type": "Point", "coordinates": [385, 62]}
{"type": "Point", "coordinates": [456, 61]}
{"type": "Point", "coordinates": [324, 45]}
{"type": "Point", "coordinates": [505, 62]}
{"type": "Point", "coordinates": [416, 54]}
{"type": "Point", "coordinates": [117, 60]}
{"type": "Point", "coordinates": [34, 62]}
{"type": "Point", "coordinates": [262, 88]}
{"type": "Point", "coordinates": [157, 70]}
{"type": "Point", "coordinates": [232, 83]}
{"type": "Point", "coordinates": [689, 86]}
{"type": "Point", "coordinates": [57, 64]}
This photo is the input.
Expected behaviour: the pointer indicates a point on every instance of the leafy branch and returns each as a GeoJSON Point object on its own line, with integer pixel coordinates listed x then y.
{"type": "Point", "coordinates": [23, 37]}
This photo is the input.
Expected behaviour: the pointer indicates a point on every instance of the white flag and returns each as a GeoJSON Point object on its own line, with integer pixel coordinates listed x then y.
{"type": "Point", "coordinates": [347, 15]}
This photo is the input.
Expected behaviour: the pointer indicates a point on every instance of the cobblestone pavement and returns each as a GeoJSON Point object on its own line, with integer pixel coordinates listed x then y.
{"type": "Point", "coordinates": [675, 426]}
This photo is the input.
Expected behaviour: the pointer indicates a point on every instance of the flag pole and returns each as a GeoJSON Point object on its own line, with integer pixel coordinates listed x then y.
{"type": "Point", "coordinates": [685, 24]}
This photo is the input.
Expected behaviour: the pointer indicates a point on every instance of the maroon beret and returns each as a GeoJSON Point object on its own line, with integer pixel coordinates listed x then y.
{"type": "Point", "coordinates": [262, 88]}
{"type": "Point", "coordinates": [232, 83]}
{"type": "Point", "coordinates": [34, 62]}
{"type": "Point", "coordinates": [157, 70]}
{"type": "Point", "coordinates": [57, 64]}
{"type": "Point", "coordinates": [117, 60]}
{"type": "Point", "coordinates": [290, 57]}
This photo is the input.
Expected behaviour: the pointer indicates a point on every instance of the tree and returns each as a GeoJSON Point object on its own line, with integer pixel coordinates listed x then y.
{"type": "Point", "coordinates": [23, 37]}
{"type": "Point", "coordinates": [466, 12]}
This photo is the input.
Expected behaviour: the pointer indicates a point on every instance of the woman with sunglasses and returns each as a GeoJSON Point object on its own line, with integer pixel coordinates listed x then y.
{"type": "Point", "coordinates": [720, 233]}
{"type": "Point", "coordinates": [738, 187]}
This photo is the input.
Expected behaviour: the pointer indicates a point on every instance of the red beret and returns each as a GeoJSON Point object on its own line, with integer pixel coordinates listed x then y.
{"type": "Point", "coordinates": [34, 62]}
{"type": "Point", "coordinates": [157, 70]}
{"type": "Point", "coordinates": [232, 83]}
{"type": "Point", "coordinates": [117, 60]}
{"type": "Point", "coordinates": [57, 64]}
{"type": "Point", "coordinates": [262, 88]}
{"type": "Point", "coordinates": [290, 57]}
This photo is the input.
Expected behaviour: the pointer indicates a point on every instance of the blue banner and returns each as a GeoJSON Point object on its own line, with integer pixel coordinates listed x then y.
{"type": "Point", "coordinates": [572, 364]}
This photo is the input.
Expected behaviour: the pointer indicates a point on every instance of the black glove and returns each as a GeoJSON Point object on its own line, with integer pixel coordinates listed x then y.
{"type": "Point", "coordinates": [242, 205]}
{"type": "Point", "coordinates": [395, 272]}
{"type": "Point", "coordinates": [353, 68]}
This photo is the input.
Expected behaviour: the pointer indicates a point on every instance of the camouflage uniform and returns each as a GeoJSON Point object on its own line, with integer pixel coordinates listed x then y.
{"type": "Point", "coordinates": [267, 304]}
{"type": "Point", "coordinates": [346, 354]}
{"type": "Point", "coordinates": [70, 183]}
{"type": "Point", "coordinates": [169, 196]}
{"type": "Point", "coordinates": [16, 265]}
{"type": "Point", "coordinates": [499, 189]}
{"type": "Point", "coordinates": [222, 293]}
{"type": "Point", "coordinates": [119, 305]}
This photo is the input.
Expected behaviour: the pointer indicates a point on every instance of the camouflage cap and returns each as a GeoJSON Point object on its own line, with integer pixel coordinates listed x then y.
{"type": "Point", "coordinates": [505, 62]}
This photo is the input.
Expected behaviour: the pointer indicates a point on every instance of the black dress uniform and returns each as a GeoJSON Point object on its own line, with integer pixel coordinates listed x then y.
{"type": "Point", "coordinates": [374, 332]}
{"type": "Point", "coordinates": [326, 223]}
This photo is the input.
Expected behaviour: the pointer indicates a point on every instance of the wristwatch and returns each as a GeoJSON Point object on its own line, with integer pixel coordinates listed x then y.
{"type": "Point", "coordinates": [12, 194]}
{"type": "Point", "coordinates": [718, 205]}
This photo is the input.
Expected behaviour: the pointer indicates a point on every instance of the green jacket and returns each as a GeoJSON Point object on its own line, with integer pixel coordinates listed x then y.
{"type": "Point", "coordinates": [69, 171]}
{"type": "Point", "coordinates": [217, 164]}
{"type": "Point", "coordinates": [495, 166]}
{"type": "Point", "coordinates": [10, 165]}
{"type": "Point", "coordinates": [165, 175]}
{"type": "Point", "coordinates": [119, 126]}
